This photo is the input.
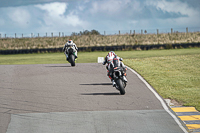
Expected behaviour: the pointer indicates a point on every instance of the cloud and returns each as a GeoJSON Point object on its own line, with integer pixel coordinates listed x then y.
{"type": "Point", "coordinates": [13, 18]}
{"type": "Point", "coordinates": [109, 6]}
{"type": "Point", "coordinates": [110, 15]}
{"type": "Point", "coordinates": [57, 16]}
{"type": "Point", "coordinates": [52, 13]}
{"type": "Point", "coordinates": [19, 16]}
{"type": "Point", "coordinates": [170, 6]}
{"type": "Point", "coordinates": [73, 20]}
{"type": "Point", "coordinates": [55, 8]}
{"type": "Point", "coordinates": [17, 3]}
{"type": "Point", "coordinates": [179, 13]}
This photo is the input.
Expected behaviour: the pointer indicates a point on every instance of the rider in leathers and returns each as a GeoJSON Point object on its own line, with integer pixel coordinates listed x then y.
{"type": "Point", "coordinates": [109, 59]}
{"type": "Point", "coordinates": [68, 44]}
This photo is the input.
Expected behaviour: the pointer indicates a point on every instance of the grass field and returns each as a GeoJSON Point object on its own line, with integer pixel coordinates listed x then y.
{"type": "Point", "coordinates": [174, 74]}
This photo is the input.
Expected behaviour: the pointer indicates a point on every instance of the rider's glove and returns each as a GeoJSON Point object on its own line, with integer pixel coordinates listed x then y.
{"type": "Point", "coordinates": [104, 63]}
{"type": "Point", "coordinates": [120, 59]}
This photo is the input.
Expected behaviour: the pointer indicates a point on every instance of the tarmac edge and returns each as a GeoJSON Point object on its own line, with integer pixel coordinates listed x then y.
{"type": "Point", "coordinates": [165, 106]}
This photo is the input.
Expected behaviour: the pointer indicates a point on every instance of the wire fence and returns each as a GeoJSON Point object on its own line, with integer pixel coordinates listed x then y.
{"type": "Point", "coordinates": [113, 32]}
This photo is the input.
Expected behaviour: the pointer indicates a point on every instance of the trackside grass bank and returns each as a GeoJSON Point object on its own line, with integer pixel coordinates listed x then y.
{"type": "Point", "coordinates": [175, 77]}
{"type": "Point", "coordinates": [174, 73]}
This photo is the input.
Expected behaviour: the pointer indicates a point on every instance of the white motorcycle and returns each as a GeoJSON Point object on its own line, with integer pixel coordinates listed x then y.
{"type": "Point", "coordinates": [71, 55]}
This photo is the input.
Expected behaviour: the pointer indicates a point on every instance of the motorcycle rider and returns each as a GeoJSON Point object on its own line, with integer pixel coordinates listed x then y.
{"type": "Point", "coordinates": [68, 44]}
{"type": "Point", "coordinates": [109, 60]}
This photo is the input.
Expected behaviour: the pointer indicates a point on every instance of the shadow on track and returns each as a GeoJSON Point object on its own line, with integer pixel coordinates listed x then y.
{"type": "Point", "coordinates": [100, 94]}
{"type": "Point", "coordinates": [98, 84]}
{"type": "Point", "coordinates": [57, 66]}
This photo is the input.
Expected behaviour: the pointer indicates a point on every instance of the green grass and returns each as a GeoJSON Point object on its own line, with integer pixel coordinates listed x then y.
{"type": "Point", "coordinates": [157, 53]}
{"type": "Point", "coordinates": [88, 57]}
{"type": "Point", "coordinates": [175, 73]}
{"type": "Point", "coordinates": [48, 58]}
{"type": "Point", "coordinates": [173, 77]}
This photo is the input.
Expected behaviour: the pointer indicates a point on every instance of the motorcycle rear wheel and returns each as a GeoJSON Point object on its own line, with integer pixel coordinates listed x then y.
{"type": "Point", "coordinates": [121, 86]}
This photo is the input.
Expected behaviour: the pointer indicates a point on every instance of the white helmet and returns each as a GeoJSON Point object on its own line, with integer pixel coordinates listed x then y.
{"type": "Point", "coordinates": [110, 56]}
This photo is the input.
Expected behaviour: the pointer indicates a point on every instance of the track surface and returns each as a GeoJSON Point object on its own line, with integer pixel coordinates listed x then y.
{"type": "Point", "coordinates": [60, 98]}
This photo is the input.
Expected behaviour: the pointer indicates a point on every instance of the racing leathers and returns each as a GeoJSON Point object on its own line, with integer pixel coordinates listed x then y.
{"type": "Point", "coordinates": [68, 44]}
{"type": "Point", "coordinates": [109, 60]}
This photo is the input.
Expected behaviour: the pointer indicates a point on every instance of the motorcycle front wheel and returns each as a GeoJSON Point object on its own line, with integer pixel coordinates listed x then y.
{"type": "Point", "coordinates": [121, 86]}
{"type": "Point", "coordinates": [72, 59]}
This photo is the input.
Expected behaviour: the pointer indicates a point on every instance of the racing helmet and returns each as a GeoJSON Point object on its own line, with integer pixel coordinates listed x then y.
{"type": "Point", "coordinates": [110, 56]}
{"type": "Point", "coordinates": [113, 52]}
{"type": "Point", "coordinates": [70, 41]}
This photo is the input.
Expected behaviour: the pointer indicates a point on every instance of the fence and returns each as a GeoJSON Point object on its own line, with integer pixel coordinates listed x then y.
{"type": "Point", "coordinates": [117, 32]}
{"type": "Point", "coordinates": [121, 38]}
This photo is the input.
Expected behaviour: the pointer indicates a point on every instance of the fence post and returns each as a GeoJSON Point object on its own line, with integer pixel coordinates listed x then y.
{"type": "Point", "coordinates": [119, 32]}
{"type": "Point", "coordinates": [59, 34]}
{"type": "Point", "coordinates": [46, 34]}
{"type": "Point", "coordinates": [141, 31]}
{"type": "Point", "coordinates": [186, 29]}
{"type": "Point", "coordinates": [15, 35]}
{"type": "Point", "coordinates": [134, 32]}
{"type": "Point", "coordinates": [171, 31]}
{"type": "Point", "coordinates": [0, 35]}
{"type": "Point", "coordinates": [63, 34]}
{"type": "Point", "coordinates": [38, 35]}
{"type": "Point", "coordinates": [130, 32]}
{"type": "Point", "coordinates": [22, 35]}
{"type": "Point", "coordinates": [104, 33]}
{"type": "Point", "coordinates": [5, 35]}
{"type": "Point", "coordinates": [157, 31]}
{"type": "Point", "coordinates": [52, 37]}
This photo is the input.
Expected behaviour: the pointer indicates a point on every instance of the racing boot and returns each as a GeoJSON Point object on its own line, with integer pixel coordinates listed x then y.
{"type": "Point", "coordinates": [67, 57]}
{"type": "Point", "coordinates": [124, 78]}
{"type": "Point", "coordinates": [76, 55]}
{"type": "Point", "coordinates": [113, 83]}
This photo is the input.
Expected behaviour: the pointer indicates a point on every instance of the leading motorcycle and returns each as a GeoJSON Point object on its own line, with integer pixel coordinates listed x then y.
{"type": "Point", "coordinates": [118, 72]}
{"type": "Point", "coordinates": [71, 55]}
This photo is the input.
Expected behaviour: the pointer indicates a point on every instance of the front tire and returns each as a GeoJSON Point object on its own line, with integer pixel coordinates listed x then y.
{"type": "Point", "coordinates": [72, 60]}
{"type": "Point", "coordinates": [121, 86]}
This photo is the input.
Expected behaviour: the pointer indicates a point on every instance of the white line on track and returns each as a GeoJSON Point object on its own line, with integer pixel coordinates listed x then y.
{"type": "Point", "coordinates": [160, 99]}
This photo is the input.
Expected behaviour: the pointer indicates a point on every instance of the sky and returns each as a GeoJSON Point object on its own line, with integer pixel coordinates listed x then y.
{"type": "Point", "coordinates": [67, 16]}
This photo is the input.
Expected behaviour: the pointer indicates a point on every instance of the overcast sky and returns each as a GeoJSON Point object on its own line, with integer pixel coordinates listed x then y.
{"type": "Point", "coordinates": [41, 16]}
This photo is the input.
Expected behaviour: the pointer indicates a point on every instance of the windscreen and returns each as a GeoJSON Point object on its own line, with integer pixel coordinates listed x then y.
{"type": "Point", "coordinates": [116, 62]}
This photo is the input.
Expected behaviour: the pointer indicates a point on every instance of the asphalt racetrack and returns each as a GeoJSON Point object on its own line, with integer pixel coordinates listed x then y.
{"type": "Point", "coordinates": [58, 98]}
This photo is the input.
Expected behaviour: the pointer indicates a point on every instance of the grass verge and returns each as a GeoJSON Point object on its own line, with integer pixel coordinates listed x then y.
{"type": "Point", "coordinates": [175, 77]}
{"type": "Point", "coordinates": [175, 73]}
{"type": "Point", "coordinates": [48, 58]}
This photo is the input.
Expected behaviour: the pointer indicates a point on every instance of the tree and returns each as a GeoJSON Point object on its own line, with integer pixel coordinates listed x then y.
{"type": "Point", "coordinates": [95, 32]}
{"type": "Point", "coordinates": [86, 32]}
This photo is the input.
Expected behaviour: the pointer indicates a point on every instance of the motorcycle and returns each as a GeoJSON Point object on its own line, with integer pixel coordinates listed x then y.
{"type": "Point", "coordinates": [71, 55]}
{"type": "Point", "coordinates": [118, 72]}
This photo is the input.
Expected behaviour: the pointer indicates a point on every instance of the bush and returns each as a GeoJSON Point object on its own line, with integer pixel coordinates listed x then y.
{"type": "Point", "coordinates": [169, 46]}
{"type": "Point", "coordinates": [86, 32]}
